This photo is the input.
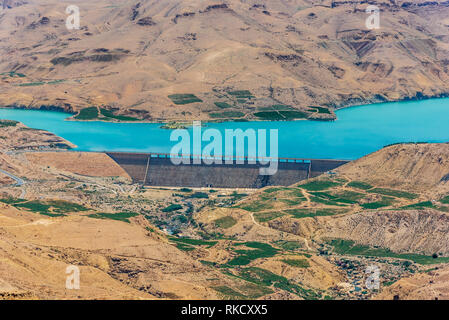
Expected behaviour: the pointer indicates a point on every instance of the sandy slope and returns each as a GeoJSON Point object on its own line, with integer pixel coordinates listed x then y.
{"type": "Point", "coordinates": [88, 164]}
{"type": "Point", "coordinates": [36, 251]}
{"type": "Point", "coordinates": [132, 54]}
{"type": "Point", "coordinates": [419, 167]}
{"type": "Point", "coordinates": [432, 285]}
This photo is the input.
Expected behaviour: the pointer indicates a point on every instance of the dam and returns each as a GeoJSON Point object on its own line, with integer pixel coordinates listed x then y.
{"type": "Point", "coordinates": [157, 169]}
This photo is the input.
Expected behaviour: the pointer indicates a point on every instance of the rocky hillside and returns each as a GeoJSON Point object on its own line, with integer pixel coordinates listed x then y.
{"type": "Point", "coordinates": [432, 285]}
{"type": "Point", "coordinates": [221, 59]}
{"type": "Point", "coordinates": [423, 231]}
{"type": "Point", "coordinates": [388, 209]}
{"type": "Point", "coordinates": [417, 167]}
{"type": "Point", "coordinates": [117, 260]}
{"type": "Point", "coordinates": [16, 136]}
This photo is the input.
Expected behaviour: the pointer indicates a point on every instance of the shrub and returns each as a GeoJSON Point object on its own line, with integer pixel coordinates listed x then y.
{"type": "Point", "coordinates": [172, 207]}
{"type": "Point", "coordinates": [90, 113]}
{"type": "Point", "coordinates": [225, 222]}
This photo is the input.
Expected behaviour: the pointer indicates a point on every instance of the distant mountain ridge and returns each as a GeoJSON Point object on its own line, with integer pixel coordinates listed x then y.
{"type": "Point", "coordinates": [191, 59]}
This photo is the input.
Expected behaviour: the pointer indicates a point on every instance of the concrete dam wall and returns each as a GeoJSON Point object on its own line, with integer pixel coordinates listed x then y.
{"type": "Point", "coordinates": [158, 170]}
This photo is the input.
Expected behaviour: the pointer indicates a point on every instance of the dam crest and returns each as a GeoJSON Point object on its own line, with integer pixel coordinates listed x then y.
{"type": "Point", "coordinates": [157, 169]}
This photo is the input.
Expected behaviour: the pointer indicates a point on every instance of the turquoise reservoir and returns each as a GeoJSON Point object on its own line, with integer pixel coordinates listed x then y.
{"type": "Point", "coordinates": [357, 132]}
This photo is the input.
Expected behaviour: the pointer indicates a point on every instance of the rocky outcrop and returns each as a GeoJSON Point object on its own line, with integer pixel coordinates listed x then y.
{"type": "Point", "coordinates": [423, 231]}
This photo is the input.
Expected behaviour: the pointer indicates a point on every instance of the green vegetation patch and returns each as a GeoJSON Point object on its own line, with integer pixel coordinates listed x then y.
{"type": "Point", "coordinates": [278, 107]}
{"type": "Point", "coordinates": [208, 263]}
{"type": "Point", "coordinates": [199, 195]}
{"type": "Point", "coordinates": [241, 94]}
{"type": "Point", "coordinates": [225, 222]}
{"type": "Point", "coordinates": [348, 247]}
{"type": "Point", "coordinates": [61, 206]}
{"type": "Point", "coordinates": [111, 115]}
{"type": "Point", "coordinates": [297, 263]}
{"type": "Point", "coordinates": [121, 216]}
{"type": "Point", "coordinates": [269, 279]}
{"type": "Point", "coordinates": [394, 193]}
{"type": "Point", "coordinates": [280, 115]}
{"type": "Point", "coordinates": [8, 123]}
{"type": "Point", "coordinates": [238, 196]}
{"type": "Point", "coordinates": [289, 245]}
{"type": "Point", "coordinates": [13, 74]}
{"type": "Point", "coordinates": [275, 189]}
{"type": "Point", "coordinates": [420, 205]}
{"type": "Point", "coordinates": [254, 291]}
{"type": "Point", "coordinates": [188, 244]}
{"type": "Point", "coordinates": [309, 213]}
{"type": "Point", "coordinates": [229, 293]}
{"type": "Point", "coordinates": [292, 202]}
{"type": "Point", "coordinates": [12, 200]}
{"type": "Point", "coordinates": [268, 216]}
{"type": "Point", "coordinates": [259, 250]}
{"type": "Point", "coordinates": [296, 193]}
{"type": "Point", "coordinates": [226, 114]}
{"type": "Point", "coordinates": [184, 247]}
{"type": "Point", "coordinates": [320, 110]}
{"type": "Point", "coordinates": [56, 81]}
{"type": "Point", "coordinates": [36, 206]}
{"type": "Point", "coordinates": [181, 99]}
{"type": "Point", "coordinates": [31, 84]}
{"type": "Point", "coordinates": [343, 197]}
{"type": "Point", "coordinates": [360, 185]}
{"type": "Point", "coordinates": [223, 105]}
{"type": "Point", "coordinates": [289, 196]}
{"type": "Point", "coordinates": [445, 200]}
{"type": "Point", "coordinates": [256, 206]}
{"type": "Point", "coordinates": [52, 208]}
{"type": "Point", "coordinates": [425, 205]}
{"type": "Point", "coordinates": [90, 113]}
{"type": "Point", "coordinates": [319, 185]}
{"type": "Point", "coordinates": [172, 207]}
{"type": "Point", "coordinates": [385, 202]}
{"type": "Point", "coordinates": [326, 198]}
{"type": "Point", "coordinates": [346, 196]}
{"type": "Point", "coordinates": [194, 242]}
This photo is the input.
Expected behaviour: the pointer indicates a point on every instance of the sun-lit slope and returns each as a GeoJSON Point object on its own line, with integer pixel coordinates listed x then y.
{"type": "Point", "coordinates": [132, 55]}
{"type": "Point", "coordinates": [421, 231]}
{"type": "Point", "coordinates": [388, 209]}
{"type": "Point", "coordinates": [116, 260]}
{"type": "Point", "coordinates": [430, 285]}
{"type": "Point", "coordinates": [88, 164]}
{"type": "Point", "coordinates": [17, 136]}
{"type": "Point", "coordinates": [419, 167]}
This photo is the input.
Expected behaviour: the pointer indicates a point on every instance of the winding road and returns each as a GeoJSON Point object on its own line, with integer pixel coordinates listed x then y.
{"type": "Point", "coordinates": [19, 182]}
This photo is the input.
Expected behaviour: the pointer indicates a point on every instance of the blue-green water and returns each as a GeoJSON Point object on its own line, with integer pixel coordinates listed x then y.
{"type": "Point", "coordinates": [357, 132]}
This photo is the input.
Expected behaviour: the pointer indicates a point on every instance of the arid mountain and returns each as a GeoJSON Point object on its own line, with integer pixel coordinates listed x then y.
{"type": "Point", "coordinates": [416, 167]}
{"type": "Point", "coordinates": [431, 285]}
{"type": "Point", "coordinates": [17, 136]}
{"type": "Point", "coordinates": [130, 56]}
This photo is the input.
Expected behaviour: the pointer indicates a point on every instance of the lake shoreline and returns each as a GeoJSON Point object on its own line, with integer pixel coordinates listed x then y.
{"type": "Point", "coordinates": [359, 130]}
{"type": "Point", "coordinates": [165, 122]}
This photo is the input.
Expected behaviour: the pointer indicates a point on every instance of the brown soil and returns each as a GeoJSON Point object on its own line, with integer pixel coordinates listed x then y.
{"type": "Point", "coordinates": [420, 167]}
{"type": "Point", "coordinates": [83, 163]}
{"type": "Point", "coordinates": [430, 285]}
{"type": "Point", "coordinates": [35, 252]}
{"type": "Point", "coordinates": [300, 53]}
